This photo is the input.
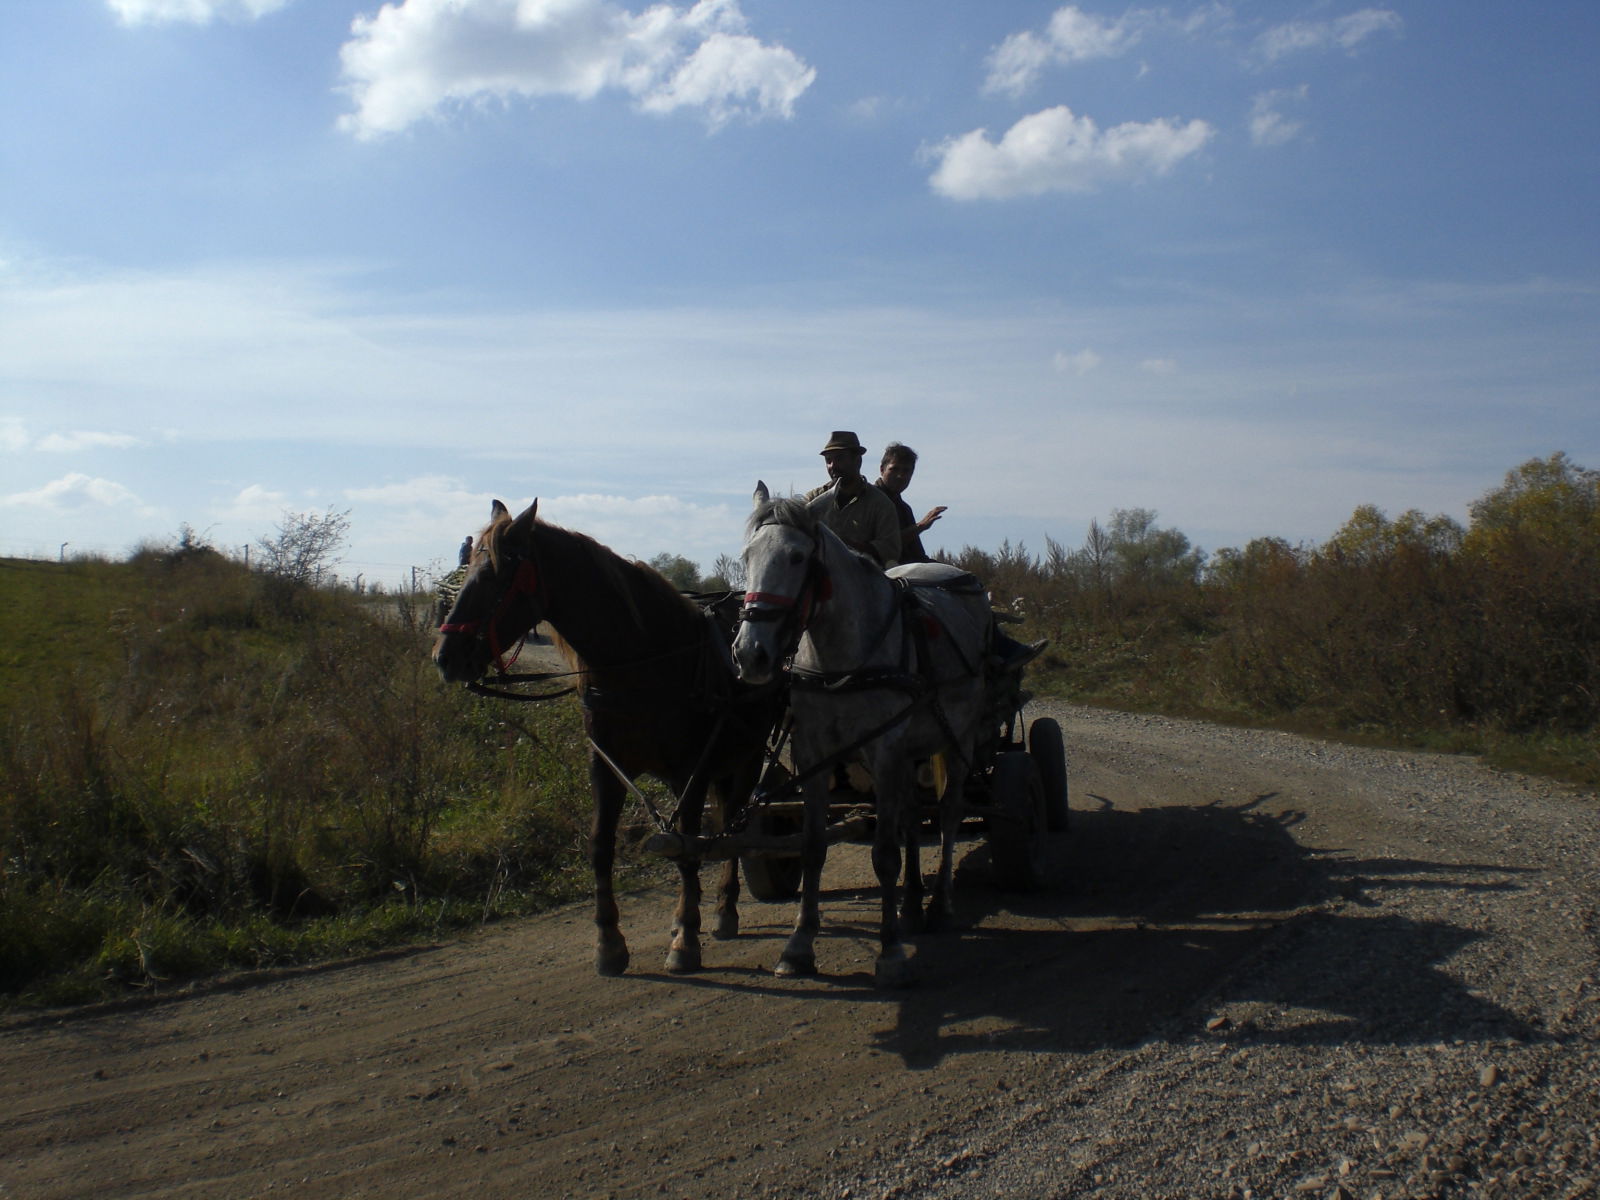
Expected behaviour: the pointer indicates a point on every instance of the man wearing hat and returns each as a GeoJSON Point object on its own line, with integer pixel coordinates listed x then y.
{"type": "Point", "coordinates": [859, 513]}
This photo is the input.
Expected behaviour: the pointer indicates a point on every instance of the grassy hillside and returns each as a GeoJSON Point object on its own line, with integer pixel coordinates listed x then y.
{"type": "Point", "coordinates": [207, 769]}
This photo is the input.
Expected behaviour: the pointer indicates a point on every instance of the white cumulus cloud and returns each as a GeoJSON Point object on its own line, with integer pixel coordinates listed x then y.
{"type": "Point", "coordinates": [76, 491]}
{"type": "Point", "coordinates": [1268, 125]}
{"type": "Point", "coordinates": [196, 12]}
{"type": "Point", "coordinates": [1343, 33]}
{"type": "Point", "coordinates": [418, 57]}
{"type": "Point", "coordinates": [255, 503]}
{"type": "Point", "coordinates": [1058, 151]}
{"type": "Point", "coordinates": [1072, 35]}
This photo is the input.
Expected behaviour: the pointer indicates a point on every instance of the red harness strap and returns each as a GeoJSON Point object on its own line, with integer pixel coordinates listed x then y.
{"type": "Point", "coordinates": [524, 583]}
{"type": "Point", "coordinates": [815, 591]}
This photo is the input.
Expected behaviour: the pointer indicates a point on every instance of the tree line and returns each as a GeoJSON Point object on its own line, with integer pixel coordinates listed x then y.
{"type": "Point", "coordinates": [1414, 622]}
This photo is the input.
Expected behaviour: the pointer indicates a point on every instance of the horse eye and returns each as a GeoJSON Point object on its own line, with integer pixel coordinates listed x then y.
{"type": "Point", "coordinates": [796, 558]}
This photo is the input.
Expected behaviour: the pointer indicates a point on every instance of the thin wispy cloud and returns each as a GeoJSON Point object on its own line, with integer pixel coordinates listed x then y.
{"type": "Point", "coordinates": [1071, 36]}
{"type": "Point", "coordinates": [82, 439]}
{"type": "Point", "coordinates": [1059, 151]}
{"type": "Point", "coordinates": [13, 435]}
{"type": "Point", "coordinates": [421, 58]}
{"type": "Point", "coordinates": [192, 12]}
{"type": "Point", "coordinates": [1342, 33]}
{"type": "Point", "coordinates": [1079, 363]}
{"type": "Point", "coordinates": [1269, 124]}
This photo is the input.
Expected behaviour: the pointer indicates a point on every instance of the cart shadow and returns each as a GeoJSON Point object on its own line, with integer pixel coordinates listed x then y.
{"type": "Point", "coordinates": [1159, 908]}
{"type": "Point", "coordinates": [1157, 915]}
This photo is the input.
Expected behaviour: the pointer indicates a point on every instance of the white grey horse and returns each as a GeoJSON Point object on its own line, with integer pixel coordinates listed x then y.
{"type": "Point", "coordinates": [894, 671]}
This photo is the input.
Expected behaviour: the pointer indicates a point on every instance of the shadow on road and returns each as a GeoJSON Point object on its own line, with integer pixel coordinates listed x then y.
{"type": "Point", "coordinates": [1158, 907]}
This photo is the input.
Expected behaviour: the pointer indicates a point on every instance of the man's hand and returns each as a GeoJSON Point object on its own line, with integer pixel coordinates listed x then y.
{"type": "Point", "coordinates": [934, 514]}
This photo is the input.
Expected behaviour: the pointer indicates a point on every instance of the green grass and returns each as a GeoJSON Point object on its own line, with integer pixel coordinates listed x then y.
{"type": "Point", "coordinates": [206, 771]}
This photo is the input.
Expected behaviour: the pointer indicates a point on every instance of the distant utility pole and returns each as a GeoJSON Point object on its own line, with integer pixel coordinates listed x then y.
{"type": "Point", "coordinates": [61, 554]}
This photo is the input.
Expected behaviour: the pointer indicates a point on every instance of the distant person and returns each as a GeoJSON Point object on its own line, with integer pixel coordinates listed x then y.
{"type": "Point", "coordinates": [894, 476]}
{"type": "Point", "coordinates": [859, 513]}
{"type": "Point", "coordinates": [466, 551]}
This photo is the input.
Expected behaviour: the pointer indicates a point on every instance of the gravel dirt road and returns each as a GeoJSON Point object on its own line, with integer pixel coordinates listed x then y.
{"type": "Point", "coordinates": [1273, 967]}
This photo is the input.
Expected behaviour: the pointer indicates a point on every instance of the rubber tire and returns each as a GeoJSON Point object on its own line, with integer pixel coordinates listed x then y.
{"type": "Point", "coordinates": [1050, 756]}
{"type": "Point", "coordinates": [1017, 830]}
{"type": "Point", "coordinates": [770, 877]}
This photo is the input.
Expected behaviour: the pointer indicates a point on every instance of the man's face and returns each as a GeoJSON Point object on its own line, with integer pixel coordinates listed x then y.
{"type": "Point", "coordinates": [843, 465]}
{"type": "Point", "coordinates": [896, 474]}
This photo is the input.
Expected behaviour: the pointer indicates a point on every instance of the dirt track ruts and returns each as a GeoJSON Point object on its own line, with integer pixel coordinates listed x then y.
{"type": "Point", "coordinates": [1274, 967]}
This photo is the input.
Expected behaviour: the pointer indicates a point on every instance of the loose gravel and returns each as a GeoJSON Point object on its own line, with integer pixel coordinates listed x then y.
{"type": "Point", "coordinates": [1428, 1029]}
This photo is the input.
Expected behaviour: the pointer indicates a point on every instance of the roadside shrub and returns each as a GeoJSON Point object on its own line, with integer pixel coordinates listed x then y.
{"type": "Point", "coordinates": [212, 764]}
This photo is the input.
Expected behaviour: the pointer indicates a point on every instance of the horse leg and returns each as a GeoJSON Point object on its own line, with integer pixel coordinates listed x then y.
{"type": "Point", "coordinates": [892, 782]}
{"type": "Point", "coordinates": [911, 922]}
{"type": "Point", "coordinates": [683, 956]}
{"type": "Point", "coordinates": [728, 902]}
{"type": "Point", "coordinates": [611, 948]}
{"type": "Point", "coordinates": [729, 801]}
{"type": "Point", "coordinates": [799, 953]}
{"type": "Point", "coordinates": [941, 908]}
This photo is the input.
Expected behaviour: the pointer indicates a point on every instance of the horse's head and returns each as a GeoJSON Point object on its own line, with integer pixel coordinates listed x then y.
{"type": "Point", "coordinates": [501, 600]}
{"type": "Point", "coordinates": [784, 578]}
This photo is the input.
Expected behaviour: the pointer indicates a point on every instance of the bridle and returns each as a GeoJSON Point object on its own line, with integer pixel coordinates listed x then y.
{"type": "Point", "coordinates": [816, 587]}
{"type": "Point", "coordinates": [525, 581]}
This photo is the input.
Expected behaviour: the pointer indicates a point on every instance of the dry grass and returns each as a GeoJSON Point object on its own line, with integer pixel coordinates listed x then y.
{"type": "Point", "coordinates": [208, 769]}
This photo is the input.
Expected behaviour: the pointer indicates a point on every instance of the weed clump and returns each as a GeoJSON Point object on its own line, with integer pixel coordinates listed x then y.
{"type": "Point", "coordinates": [209, 768]}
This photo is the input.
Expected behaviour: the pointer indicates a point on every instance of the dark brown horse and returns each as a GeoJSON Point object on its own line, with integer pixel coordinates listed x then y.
{"type": "Point", "coordinates": [659, 696]}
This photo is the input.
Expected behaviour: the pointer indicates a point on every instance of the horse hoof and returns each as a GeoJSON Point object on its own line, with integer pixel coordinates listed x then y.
{"type": "Point", "coordinates": [727, 928]}
{"type": "Point", "coordinates": [937, 920]}
{"type": "Point", "coordinates": [610, 962]}
{"type": "Point", "coordinates": [793, 966]}
{"type": "Point", "coordinates": [912, 923]}
{"type": "Point", "coordinates": [683, 961]}
{"type": "Point", "coordinates": [892, 972]}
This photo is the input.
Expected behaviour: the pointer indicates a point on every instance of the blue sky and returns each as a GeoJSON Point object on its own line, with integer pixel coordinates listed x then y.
{"type": "Point", "coordinates": [1249, 265]}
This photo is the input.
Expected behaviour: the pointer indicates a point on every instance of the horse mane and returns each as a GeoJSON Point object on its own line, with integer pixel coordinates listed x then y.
{"type": "Point", "coordinates": [638, 584]}
{"type": "Point", "coordinates": [785, 510]}
{"type": "Point", "coordinates": [797, 514]}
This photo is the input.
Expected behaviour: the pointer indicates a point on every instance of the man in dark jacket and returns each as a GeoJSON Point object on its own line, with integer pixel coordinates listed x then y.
{"type": "Point", "coordinates": [894, 476]}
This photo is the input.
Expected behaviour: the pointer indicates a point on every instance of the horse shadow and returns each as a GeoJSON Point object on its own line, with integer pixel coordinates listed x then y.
{"type": "Point", "coordinates": [1155, 916]}
{"type": "Point", "coordinates": [1159, 909]}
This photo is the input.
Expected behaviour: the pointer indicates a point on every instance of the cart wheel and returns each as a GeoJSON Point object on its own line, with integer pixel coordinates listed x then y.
{"type": "Point", "coordinates": [772, 877]}
{"type": "Point", "coordinates": [1050, 756]}
{"type": "Point", "coordinates": [1017, 829]}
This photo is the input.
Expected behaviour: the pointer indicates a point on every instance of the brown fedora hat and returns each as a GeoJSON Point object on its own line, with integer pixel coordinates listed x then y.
{"type": "Point", "coordinates": [843, 439]}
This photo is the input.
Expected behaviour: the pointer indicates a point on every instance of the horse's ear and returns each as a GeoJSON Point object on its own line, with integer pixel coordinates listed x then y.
{"type": "Point", "coordinates": [523, 525]}
{"type": "Point", "coordinates": [761, 496]}
{"type": "Point", "coordinates": [498, 510]}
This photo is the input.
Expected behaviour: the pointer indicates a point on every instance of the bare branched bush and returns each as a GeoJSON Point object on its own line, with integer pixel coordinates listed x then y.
{"type": "Point", "coordinates": [306, 546]}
